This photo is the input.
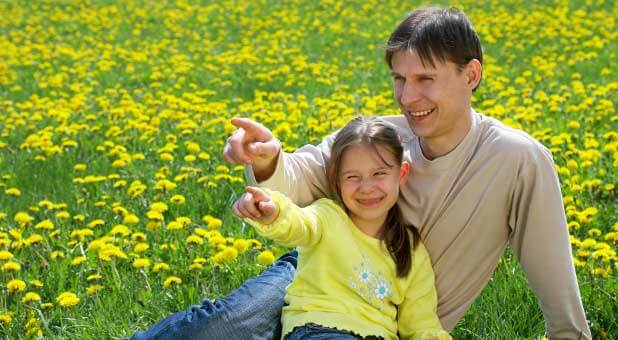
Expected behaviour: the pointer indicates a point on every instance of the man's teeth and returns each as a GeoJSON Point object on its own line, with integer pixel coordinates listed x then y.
{"type": "Point", "coordinates": [420, 113]}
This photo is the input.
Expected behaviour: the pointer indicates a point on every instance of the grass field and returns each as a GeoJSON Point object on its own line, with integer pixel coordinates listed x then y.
{"type": "Point", "coordinates": [115, 200]}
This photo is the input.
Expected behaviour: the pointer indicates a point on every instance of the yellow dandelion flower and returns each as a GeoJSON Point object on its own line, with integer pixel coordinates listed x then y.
{"type": "Point", "coordinates": [174, 225]}
{"type": "Point", "coordinates": [185, 221]}
{"type": "Point", "coordinates": [47, 204]}
{"type": "Point", "coordinates": [67, 299]}
{"type": "Point", "coordinates": [194, 239]}
{"type": "Point", "coordinates": [217, 258]}
{"type": "Point", "coordinates": [93, 277]}
{"type": "Point", "coordinates": [34, 239]}
{"type": "Point", "coordinates": [165, 185]}
{"type": "Point", "coordinates": [109, 251]}
{"type": "Point", "coordinates": [141, 263]}
{"type": "Point", "coordinates": [31, 297]}
{"type": "Point", "coordinates": [266, 257]}
{"type": "Point", "coordinates": [178, 199]}
{"type": "Point", "coordinates": [192, 147]}
{"type": "Point", "coordinates": [47, 305]}
{"type": "Point", "coordinates": [45, 224]}
{"type": "Point", "coordinates": [153, 225]}
{"type": "Point", "coordinates": [78, 260]}
{"type": "Point", "coordinates": [255, 243]}
{"type": "Point", "coordinates": [204, 156]}
{"type": "Point", "coordinates": [171, 280]}
{"type": "Point", "coordinates": [141, 247]}
{"type": "Point", "coordinates": [120, 229]}
{"type": "Point", "coordinates": [6, 318]}
{"type": "Point", "coordinates": [594, 232]}
{"type": "Point", "coordinates": [154, 215]}
{"type": "Point", "coordinates": [202, 232]}
{"type": "Point", "coordinates": [160, 266]}
{"type": "Point", "coordinates": [199, 260]}
{"type": "Point", "coordinates": [159, 206]}
{"type": "Point", "coordinates": [216, 240]}
{"type": "Point", "coordinates": [196, 266]}
{"type": "Point", "coordinates": [11, 267]}
{"type": "Point", "coordinates": [56, 255]}
{"type": "Point", "coordinates": [95, 223]}
{"type": "Point", "coordinates": [212, 222]}
{"type": "Point", "coordinates": [80, 167]}
{"type": "Point", "coordinates": [241, 245]}
{"type": "Point", "coordinates": [130, 219]}
{"type": "Point", "coordinates": [23, 218]}
{"type": "Point", "coordinates": [230, 253]}
{"type": "Point", "coordinates": [190, 158]}
{"type": "Point", "coordinates": [138, 236]}
{"type": "Point", "coordinates": [93, 289]}
{"type": "Point", "coordinates": [5, 255]}
{"type": "Point", "coordinates": [15, 285]}
{"type": "Point", "coordinates": [62, 215]}
{"type": "Point", "coordinates": [589, 243]}
{"type": "Point", "coordinates": [79, 218]}
{"type": "Point", "coordinates": [13, 192]}
{"type": "Point", "coordinates": [36, 283]}
{"type": "Point", "coordinates": [166, 157]}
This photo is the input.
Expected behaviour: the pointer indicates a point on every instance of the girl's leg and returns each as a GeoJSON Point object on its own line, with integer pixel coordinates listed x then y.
{"type": "Point", "coordinates": [312, 331]}
{"type": "Point", "coordinates": [253, 311]}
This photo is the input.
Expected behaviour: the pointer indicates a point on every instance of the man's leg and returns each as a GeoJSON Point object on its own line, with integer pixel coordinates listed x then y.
{"type": "Point", "coordinates": [253, 311]}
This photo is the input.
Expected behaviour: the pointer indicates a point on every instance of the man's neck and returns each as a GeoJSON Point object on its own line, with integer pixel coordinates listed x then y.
{"type": "Point", "coordinates": [433, 148]}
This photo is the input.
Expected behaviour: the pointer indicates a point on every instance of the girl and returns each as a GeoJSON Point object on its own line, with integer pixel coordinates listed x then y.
{"type": "Point", "coordinates": [362, 272]}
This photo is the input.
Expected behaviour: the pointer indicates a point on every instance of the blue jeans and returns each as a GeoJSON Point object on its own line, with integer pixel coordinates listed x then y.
{"type": "Point", "coordinates": [312, 331]}
{"type": "Point", "coordinates": [252, 311]}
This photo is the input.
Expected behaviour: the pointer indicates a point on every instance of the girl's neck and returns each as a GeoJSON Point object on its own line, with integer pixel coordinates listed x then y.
{"type": "Point", "coordinates": [369, 228]}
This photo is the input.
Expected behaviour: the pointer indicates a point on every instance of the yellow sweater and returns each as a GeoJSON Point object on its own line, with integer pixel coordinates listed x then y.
{"type": "Point", "coordinates": [347, 280]}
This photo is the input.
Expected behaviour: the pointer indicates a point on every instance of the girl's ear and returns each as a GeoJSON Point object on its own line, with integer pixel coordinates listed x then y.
{"type": "Point", "coordinates": [404, 173]}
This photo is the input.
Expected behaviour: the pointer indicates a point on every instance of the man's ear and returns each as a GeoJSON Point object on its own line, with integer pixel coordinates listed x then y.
{"type": "Point", "coordinates": [473, 71]}
{"type": "Point", "coordinates": [404, 173]}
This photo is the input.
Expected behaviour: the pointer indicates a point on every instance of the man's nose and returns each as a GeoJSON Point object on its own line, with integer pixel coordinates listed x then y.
{"type": "Point", "coordinates": [409, 94]}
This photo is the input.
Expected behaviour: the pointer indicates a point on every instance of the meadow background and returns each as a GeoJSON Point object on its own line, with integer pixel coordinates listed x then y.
{"type": "Point", "coordinates": [115, 200]}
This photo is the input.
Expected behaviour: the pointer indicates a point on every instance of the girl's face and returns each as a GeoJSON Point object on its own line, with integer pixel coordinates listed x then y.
{"type": "Point", "coordinates": [369, 186]}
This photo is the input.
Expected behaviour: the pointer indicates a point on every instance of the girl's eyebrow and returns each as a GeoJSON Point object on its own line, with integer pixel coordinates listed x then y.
{"type": "Point", "coordinates": [385, 167]}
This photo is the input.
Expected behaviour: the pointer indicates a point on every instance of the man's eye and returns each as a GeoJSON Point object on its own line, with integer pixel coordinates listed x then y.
{"type": "Point", "coordinates": [352, 177]}
{"type": "Point", "coordinates": [380, 173]}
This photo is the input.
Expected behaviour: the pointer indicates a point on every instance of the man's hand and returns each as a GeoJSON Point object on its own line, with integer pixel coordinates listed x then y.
{"type": "Point", "coordinates": [256, 205]}
{"type": "Point", "coordinates": [252, 143]}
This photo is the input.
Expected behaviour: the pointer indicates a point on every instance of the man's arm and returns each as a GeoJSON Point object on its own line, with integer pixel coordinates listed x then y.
{"type": "Point", "coordinates": [540, 240]}
{"type": "Point", "coordinates": [301, 175]}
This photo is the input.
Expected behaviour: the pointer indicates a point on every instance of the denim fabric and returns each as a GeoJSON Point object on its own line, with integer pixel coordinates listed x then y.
{"type": "Point", "coordinates": [312, 331]}
{"type": "Point", "coordinates": [253, 311]}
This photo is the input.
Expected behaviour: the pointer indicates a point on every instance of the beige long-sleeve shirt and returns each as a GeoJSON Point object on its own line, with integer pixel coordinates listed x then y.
{"type": "Point", "coordinates": [498, 185]}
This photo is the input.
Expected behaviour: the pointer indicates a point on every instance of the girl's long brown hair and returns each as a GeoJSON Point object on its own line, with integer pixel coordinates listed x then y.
{"type": "Point", "coordinates": [374, 131]}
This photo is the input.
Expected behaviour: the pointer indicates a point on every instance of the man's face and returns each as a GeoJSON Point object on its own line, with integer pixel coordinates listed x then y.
{"type": "Point", "coordinates": [435, 101]}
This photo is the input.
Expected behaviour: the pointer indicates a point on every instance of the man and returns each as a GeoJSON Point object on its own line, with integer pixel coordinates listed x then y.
{"type": "Point", "coordinates": [475, 185]}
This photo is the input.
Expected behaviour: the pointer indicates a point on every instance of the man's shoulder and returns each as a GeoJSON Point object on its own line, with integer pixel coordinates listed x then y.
{"type": "Point", "coordinates": [508, 140]}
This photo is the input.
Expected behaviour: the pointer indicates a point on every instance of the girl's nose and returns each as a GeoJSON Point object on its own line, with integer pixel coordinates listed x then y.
{"type": "Point", "coordinates": [366, 185]}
